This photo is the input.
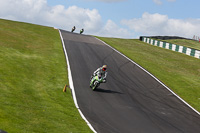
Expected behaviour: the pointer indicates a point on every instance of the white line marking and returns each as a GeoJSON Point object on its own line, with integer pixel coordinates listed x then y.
{"type": "Point", "coordinates": [151, 76]}
{"type": "Point", "coordinates": [72, 86]}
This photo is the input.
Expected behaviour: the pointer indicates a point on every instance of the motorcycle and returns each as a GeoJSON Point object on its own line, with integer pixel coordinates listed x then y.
{"type": "Point", "coordinates": [81, 31]}
{"type": "Point", "coordinates": [95, 81]}
{"type": "Point", "coordinates": [73, 29]}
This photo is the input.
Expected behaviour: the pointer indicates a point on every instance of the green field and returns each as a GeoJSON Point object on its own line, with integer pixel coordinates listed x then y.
{"type": "Point", "coordinates": [179, 72]}
{"type": "Point", "coordinates": [33, 73]}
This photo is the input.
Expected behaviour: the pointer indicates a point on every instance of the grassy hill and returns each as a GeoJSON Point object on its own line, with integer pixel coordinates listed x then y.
{"type": "Point", "coordinates": [179, 72]}
{"type": "Point", "coordinates": [33, 73]}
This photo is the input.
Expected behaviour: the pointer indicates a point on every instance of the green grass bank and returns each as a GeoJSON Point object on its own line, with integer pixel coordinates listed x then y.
{"type": "Point", "coordinates": [33, 73]}
{"type": "Point", "coordinates": [179, 72]}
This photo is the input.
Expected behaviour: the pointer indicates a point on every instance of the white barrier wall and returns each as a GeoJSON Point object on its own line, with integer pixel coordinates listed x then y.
{"type": "Point", "coordinates": [188, 51]}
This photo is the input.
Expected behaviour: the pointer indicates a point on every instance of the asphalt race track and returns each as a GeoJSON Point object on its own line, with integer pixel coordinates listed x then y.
{"type": "Point", "coordinates": [131, 101]}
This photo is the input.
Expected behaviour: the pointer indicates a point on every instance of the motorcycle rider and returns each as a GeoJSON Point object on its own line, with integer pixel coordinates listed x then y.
{"type": "Point", "coordinates": [102, 71]}
{"type": "Point", "coordinates": [81, 31]}
{"type": "Point", "coordinates": [73, 29]}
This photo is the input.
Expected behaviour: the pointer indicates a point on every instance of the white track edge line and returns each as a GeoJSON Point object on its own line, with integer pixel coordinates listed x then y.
{"type": "Point", "coordinates": [72, 86]}
{"type": "Point", "coordinates": [152, 76]}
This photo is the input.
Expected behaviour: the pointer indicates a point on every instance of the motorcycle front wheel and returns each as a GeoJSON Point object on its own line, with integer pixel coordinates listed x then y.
{"type": "Point", "coordinates": [95, 84]}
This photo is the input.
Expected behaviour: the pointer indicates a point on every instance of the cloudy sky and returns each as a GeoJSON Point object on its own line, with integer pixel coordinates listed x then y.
{"type": "Point", "coordinates": [110, 18]}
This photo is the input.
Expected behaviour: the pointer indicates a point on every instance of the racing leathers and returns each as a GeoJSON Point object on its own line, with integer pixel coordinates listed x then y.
{"type": "Point", "coordinates": [100, 72]}
{"type": "Point", "coordinates": [73, 29]}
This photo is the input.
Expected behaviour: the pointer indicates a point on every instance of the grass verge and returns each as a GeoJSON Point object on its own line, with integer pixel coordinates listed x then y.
{"type": "Point", "coordinates": [33, 73]}
{"type": "Point", "coordinates": [179, 72]}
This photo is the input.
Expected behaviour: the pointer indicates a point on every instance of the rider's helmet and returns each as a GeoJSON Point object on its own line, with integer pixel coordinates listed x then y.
{"type": "Point", "coordinates": [104, 67]}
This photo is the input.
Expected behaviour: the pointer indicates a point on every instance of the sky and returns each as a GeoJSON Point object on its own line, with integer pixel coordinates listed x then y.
{"type": "Point", "coordinates": [110, 18]}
